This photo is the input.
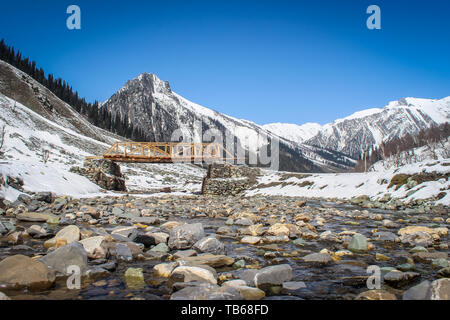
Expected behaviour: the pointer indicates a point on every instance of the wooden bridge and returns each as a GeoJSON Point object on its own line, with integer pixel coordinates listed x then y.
{"type": "Point", "coordinates": [167, 152]}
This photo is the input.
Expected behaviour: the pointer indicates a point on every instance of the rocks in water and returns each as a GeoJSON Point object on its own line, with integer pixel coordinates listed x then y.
{"type": "Point", "coordinates": [440, 289]}
{"type": "Point", "coordinates": [250, 293]}
{"type": "Point", "coordinates": [161, 247]}
{"type": "Point", "coordinates": [358, 243]}
{"type": "Point", "coordinates": [385, 236]}
{"type": "Point", "coordinates": [209, 245]}
{"type": "Point", "coordinates": [318, 258]}
{"type": "Point", "coordinates": [206, 291]}
{"type": "Point", "coordinates": [94, 248]}
{"type": "Point", "coordinates": [251, 240]}
{"type": "Point", "coordinates": [145, 239]}
{"type": "Point", "coordinates": [291, 287]}
{"type": "Point", "coordinates": [160, 237]}
{"type": "Point", "coordinates": [191, 273]}
{"type": "Point", "coordinates": [376, 295]}
{"type": "Point", "coordinates": [134, 278]}
{"type": "Point", "coordinates": [418, 238]}
{"type": "Point", "coordinates": [444, 272]}
{"type": "Point", "coordinates": [36, 231]}
{"type": "Point", "coordinates": [417, 292]}
{"type": "Point", "coordinates": [68, 235]}
{"type": "Point", "coordinates": [272, 275]}
{"type": "Point", "coordinates": [34, 216]}
{"type": "Point", "coordinates": [164, 269]}
{"type": "Point", "coordinates": [124, 233]}
{"type": "Point", "coordinates": [215, 261]}
{"type": "Point", "coordinates": [428, 257]}
{"type": "Point", "coordinates": [18, 272]}
{"type": "Point", "coordinates": [185, 236]}
{"type": "Point", "coordinates": [4, 297]}
{"type": "Point", "coordinates": [426, 290]}
{"type": "Point", "coordinates": [62, 258]}
{"type": "Point", "coordinates": [123, 252]}
{"type": "Point", "coordinates": [398, 278]}
{"type": "Point", "coordinates": [184, 253]}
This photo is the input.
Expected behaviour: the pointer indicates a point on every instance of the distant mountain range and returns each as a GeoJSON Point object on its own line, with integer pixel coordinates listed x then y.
{"type": "Point", "coordinates": [150, 105]}
{"type": "Point", "coordinates": [363, 129]}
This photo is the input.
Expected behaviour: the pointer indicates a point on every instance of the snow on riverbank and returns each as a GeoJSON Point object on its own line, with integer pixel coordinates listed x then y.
{"type": "Point", "coordinates": [348, 185]}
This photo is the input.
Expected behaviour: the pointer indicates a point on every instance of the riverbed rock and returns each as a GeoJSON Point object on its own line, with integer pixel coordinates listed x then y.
{"type": "Point", "coordinates": [134, 278]}
{"type": "Point", "coordinates": [318, 258]}
{"type": "Point", "coordinates": [185, 236]}
{"type": "Point", "coordinates": [94, 248]}
{"type": "Point", "coordinates": [4, 297]}
{"type": "Point", "coordinates": [251, 240]}
{"type": "Point", "coordinates": [62, 258]}
{"type": "Point", "coordinates": [398, 278]}
{"type": "Point", "coordinates": [206, 291]}
{"type": "Point", "coordinates": [19, 271]}
{"type": "Point", "coordinates": [209, 245]}
{"type": "Point", "coordinates": [418, 292]}
{"type": "Point", "coordinates": [215, 261]}
{"type": "Point", "coordinates": [34, 216]}
{"type": "Point", "coordinates": [358, 243]}
{"type": "Point", "coordinates": [68, 234]}
{"type": "Point", "coordinates": [428, 257]}
{"type": "Point", "coordinates": [272, 275]}
{"type": "Point", "coordinates": [418, 238]}
{"type": "Point", "coordinates": [376, 295]}
{"type": "Point", "coordinates": [191, 273]}
{"type": "Point", "coordinates": [440, 289]}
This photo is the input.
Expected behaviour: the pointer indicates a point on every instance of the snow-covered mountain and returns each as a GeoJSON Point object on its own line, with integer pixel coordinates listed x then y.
{"type": "Point", "coordinates": [37, 124]}
{"type": "Point", "coordinates": [369, 127]}
{"type": "Point", "coordinates": [151, 105]}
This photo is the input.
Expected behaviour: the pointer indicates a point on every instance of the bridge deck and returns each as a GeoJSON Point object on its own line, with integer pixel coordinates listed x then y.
{"type": "Point", "coordinates": [166, 152]}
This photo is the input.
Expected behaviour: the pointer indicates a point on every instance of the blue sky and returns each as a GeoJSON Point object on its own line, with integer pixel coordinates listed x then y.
{"type": "Point", "coordinates": [265, 61]}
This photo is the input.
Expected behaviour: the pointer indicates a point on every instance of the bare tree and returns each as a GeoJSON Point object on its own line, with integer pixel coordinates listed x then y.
{"type": "Point", "coordinates": [2, 137]}
{"type": "Point", "coordinates": [45, 156]}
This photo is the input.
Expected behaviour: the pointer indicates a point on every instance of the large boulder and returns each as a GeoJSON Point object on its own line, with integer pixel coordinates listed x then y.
{"type": "Point", "coordinates": [18, 272]}
{"type": "Point", "coordinates": [104, 173]}
{"type": "Point", "coordinates": [272, 275]}
{"type": "Point", "coordinates": [185, 236]}
{"type": "Point", "coordinates": [69, 255]}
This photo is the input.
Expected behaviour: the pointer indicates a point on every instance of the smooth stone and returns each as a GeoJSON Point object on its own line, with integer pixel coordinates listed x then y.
{"type": "Point", "coordinates": [184, 253]}
{"type": "Point", "coordinates": [376, 295]}
{"type": "Point", "coordinates": [440, 289]}
{"type": "Point", "coordinates": [34, 216]}
{"type": "Point", "coordinates": [318, 258]}
{"type": "Point", "coordinates": [206, 292]}
{"type": "Point", "coordinates": [417, 292]}
{"type": "Point", "coordinates": [164, 269]}
{"type": "Point", "coordinates": [215, 261]}
{"type": "Point", "coordinates": [358, 243]}
{"type": "Point", "coordinates": [69, 234]}
{"type": "Point", "coordinates": [209, 245]}
{"type": "Point", "coordinates": [191, 273]}
{"type": "Point", "coordinates": [123, 252]}
{"type": "Point", "coordinates": [185, 236]}
{"type": "Point", "coordinates": [273, 275]}
{"type": "Point", "coordinates": [161, 247]}
{"type": "Point", "coordinates": [134, 278]}
{"type": "Point", "coordinates": [251, 240]}
{"type": "Point", "coordinates": [17, 272]}
{"type": "Point", "coordinates": [93, 247]}
{"type": "Point", "coordinates": [62, 258]}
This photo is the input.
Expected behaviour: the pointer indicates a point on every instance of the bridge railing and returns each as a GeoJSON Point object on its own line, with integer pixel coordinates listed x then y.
{"type": "Point", "coordinates": [166, 152]}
